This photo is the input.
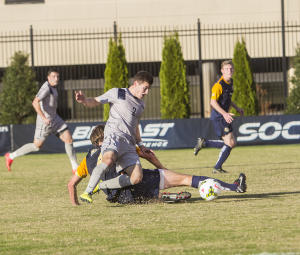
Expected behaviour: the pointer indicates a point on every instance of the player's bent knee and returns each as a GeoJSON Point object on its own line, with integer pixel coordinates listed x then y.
{"type": "Point", "coordinates": [109, 162]}
{"type": "Point", "coordinates": [135, 180]}
{"type": "Point", "coordinates": [233, 144]}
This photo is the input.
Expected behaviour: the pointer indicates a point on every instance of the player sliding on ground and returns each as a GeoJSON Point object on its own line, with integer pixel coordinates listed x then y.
{"type": "Point", "coordinates": [221, 101]}
{"type": "Point", "coordinates": [47, 122]}
{"type": "Point", "coordinates": [152, 182]}
{"type": "Point", "coordinates": [121, 133]}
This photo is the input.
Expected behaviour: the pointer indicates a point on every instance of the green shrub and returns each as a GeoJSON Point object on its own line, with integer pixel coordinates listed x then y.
{"type": "Point", "coordinates": [293, 101]}
{"type": "Point", "coordinates": [243, 82]}
{"type": "Point", "coordinates": [174, 88]}
{"type": "Point", "coordinates": [18, 92]}
{"type": "Point", "coordinates": [116, 72]}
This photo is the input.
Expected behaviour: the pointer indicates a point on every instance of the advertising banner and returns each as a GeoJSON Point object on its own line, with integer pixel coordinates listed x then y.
{"type": "Point", "coordinates": [5, 141]}
{"type": "Point", "coordinates": [265, 130]}
{"type": "Point", "coordinates": [178, 133]}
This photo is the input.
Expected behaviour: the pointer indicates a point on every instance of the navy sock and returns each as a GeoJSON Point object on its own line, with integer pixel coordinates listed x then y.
{"type": "Point", "coordinates": [228, 186]}
{"type": "Point", "coordinates": [225, 186]}
{"type": "Point", "coordinates": [214, 143]}
{"type": "Point", "coordinates": [197, 179]}
{"type": "Point", "coordinates": [225, 151]}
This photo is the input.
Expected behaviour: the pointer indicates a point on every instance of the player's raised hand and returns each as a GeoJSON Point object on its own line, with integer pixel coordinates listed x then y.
{"type": "Point", "coordinates": [227, 117]}
{"type": "Point", "coordinates": [79, 96]}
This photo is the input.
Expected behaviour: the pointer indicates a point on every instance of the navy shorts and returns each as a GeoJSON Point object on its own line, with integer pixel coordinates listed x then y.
{"type": "Point", "coordinates": [221, 127]}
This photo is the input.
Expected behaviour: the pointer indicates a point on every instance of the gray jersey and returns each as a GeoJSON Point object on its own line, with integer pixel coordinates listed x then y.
{"type": "Point", "coordinates": [48, 96]}
{"type": "Point", "coordinates": [125, 113]}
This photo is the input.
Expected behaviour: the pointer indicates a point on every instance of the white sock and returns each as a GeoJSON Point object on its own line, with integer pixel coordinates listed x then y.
{"type": "Point", "coordinates": [25, 149]}
{"type": "Point", "coordinates": [70, 150]}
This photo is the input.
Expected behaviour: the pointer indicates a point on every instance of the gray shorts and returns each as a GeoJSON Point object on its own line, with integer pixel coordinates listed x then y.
{"type": "Point", "coordinates": [127, 155]}
{"type": "Point", "coordinates": [42, 131]}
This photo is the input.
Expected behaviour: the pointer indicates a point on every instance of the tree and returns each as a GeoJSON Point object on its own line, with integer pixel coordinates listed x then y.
{"type": "Point", "coordinates": [243, 81]}
{"type": "Point", "coordinates": [293, 101]}
{"type": "Point", "coordinates": [18, 92]}
{"type": "Point", "coordinates": [174, 87]}
{"type": "Point", "coordinates": [116, 72]}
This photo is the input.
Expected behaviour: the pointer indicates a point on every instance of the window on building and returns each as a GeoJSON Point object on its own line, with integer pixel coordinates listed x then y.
{"type": "Point", "coordinates": [24, 1]}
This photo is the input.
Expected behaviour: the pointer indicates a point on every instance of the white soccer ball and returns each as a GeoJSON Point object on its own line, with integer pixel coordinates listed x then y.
{"type": "Point", "coordinates": [210, 189]}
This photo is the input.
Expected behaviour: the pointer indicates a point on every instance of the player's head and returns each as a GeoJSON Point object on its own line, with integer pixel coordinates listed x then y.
{"type": "Point", "coordinates": [227, 69]}
{"type": "Point", "coordinates": [142, 82]}
{"type": "Point", "coordinates": [97, 135]}
{"type": "Point", "coordinates": [53, 76]}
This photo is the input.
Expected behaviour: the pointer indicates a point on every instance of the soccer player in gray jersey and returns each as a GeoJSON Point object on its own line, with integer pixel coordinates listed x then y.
{"type": "Point", "coordinates": [121, 134]}
{"type": "Point", "coordinates": [47, 122]}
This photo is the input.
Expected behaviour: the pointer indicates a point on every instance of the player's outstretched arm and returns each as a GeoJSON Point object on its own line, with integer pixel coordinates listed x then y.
{"type": "Point", "coordinates": [152, 159]}
{"type": "Point", "coordinates": [37, 107]}
{"type": "Point", "coordinates": [238, 109]}
{"type": "Point", "coordinates": [72, 189]}
{"type": "Point", "coordinates": [139, 142]}
{"type": "Point", "coordinates": [88, 102]}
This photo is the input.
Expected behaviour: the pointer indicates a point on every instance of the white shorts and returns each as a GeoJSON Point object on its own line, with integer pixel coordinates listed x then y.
{"type": "Point", "coordinates": [162, 179]}
{"type": "Point", "coordinates": [126, 151]}
{"type": "Point", "coordinates": [42, 131]}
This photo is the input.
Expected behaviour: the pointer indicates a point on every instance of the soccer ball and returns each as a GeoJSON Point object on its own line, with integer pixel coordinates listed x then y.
{"type": "Point", "coordinates": [210, 189]}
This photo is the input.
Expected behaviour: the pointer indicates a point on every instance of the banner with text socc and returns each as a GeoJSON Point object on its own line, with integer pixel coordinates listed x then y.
{"type": "Point", "coordinates": [178, 133]}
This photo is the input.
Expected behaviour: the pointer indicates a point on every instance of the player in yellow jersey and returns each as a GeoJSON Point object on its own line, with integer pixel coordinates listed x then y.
{"type": "Point", "coordinates": [221, 102]}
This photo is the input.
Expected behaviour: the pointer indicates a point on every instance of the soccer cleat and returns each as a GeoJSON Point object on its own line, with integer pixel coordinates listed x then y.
{"type": "Point", "coordinates": [86, 197]}
{"type": "Point", "coordinates": [219, 171]}
{"type": "Point", "coordinates": [241, 182]}
{"type": "Point", "coordinates": [199, 145]}
{"type": "Point", "coordinates": [96, 190]}
{"type": "Point", "coordinates": [175, 197]}
{"type": "Point", "coordinates": [8, 161]}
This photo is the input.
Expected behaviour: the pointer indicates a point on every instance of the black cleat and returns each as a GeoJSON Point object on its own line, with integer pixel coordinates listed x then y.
{"type": "Point", "coordinates": [241, 182]}
{"type": "Point", "coordinates": [175, 197]}
{"type": "Point", "coordinates": [219, 171]}
{"type": "Point", "coordinates": [199, 145]}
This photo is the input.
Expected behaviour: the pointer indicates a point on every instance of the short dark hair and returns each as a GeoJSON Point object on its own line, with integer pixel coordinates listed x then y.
{"type": "Point", "coordinates": [52, 70]}
{"type": "Point", "coordinates": [97, 135]}
{"type": "Point", "coordinates": [143, 76]}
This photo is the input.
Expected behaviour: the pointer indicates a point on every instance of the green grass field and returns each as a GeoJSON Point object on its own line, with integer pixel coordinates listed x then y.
{"type": "Point", "coordinates": [36, 216]}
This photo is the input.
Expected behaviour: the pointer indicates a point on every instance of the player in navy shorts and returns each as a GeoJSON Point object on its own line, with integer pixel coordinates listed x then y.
{"type": "Point", "coordinates": [221, 102]}
{"type": "Point", "coordinates": [152, 182]}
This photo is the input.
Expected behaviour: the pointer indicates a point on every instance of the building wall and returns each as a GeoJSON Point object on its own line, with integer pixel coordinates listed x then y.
{"type": "Point", "coordinates": [76, 14]}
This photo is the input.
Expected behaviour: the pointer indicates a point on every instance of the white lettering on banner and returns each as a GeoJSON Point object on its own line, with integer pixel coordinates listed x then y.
{"type": "Point", "coordinates": [261, 133]}
{"type": "Point", "coordinates": [150, 130]}
{"type": "Point", "coordinates": [285, 130]}
{"type": "Point", "coordinates": [81, 132]}
{"type": "Point", "coordinates": [155, 129]}
{"type": "Point", "coordinates": [4, 129]}
{"type": "Point", "coordinates": [245, 131]}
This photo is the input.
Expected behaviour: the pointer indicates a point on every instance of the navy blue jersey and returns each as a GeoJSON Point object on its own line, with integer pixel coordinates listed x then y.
{"type": "Point", "coordinates": [222, 92]}
{"type": "Point", "coordinates": [147, 189]}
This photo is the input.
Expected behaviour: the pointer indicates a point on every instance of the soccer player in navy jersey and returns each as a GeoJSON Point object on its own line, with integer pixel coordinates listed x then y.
{"type": "Point", "coordinates": [152, 182]}
{"type": "Point", "coordinates": [221, 102]}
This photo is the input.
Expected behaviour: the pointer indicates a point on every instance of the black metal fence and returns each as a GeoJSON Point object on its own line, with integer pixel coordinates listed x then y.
{"type": "Point", "coordinates": [80, 56]}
